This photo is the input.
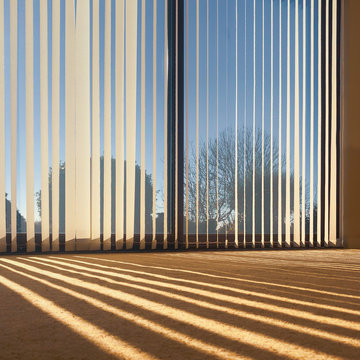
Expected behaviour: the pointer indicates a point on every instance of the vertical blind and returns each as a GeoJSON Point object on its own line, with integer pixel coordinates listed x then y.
{"type": "Point", "coordinates": [83, 123]}
{"type": "Point", "coordinates": [262, 123]}
{"type": "Point", "coordinates": [89, 158]}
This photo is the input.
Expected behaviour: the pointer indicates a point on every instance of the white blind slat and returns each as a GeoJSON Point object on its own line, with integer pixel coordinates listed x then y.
{"type": "Point", "coordinates": [2, 132]}
{"type": "Point", "coordinates": [30, 229]}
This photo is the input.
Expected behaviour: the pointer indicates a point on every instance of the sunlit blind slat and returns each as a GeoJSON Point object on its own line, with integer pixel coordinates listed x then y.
{"type": "Point", "coordinates": [288, 120]}
{"type": "Point", "coordinates": [55, 121]}
{"type": "Point", "coordinates": [70, 162]}
{"type": "Point", "coordinates": [107, 129]}
{"type": "Point", "coordinates": [319, 189]}
{"type": "Point", "coordinates": [279, 210]}
{"type": "Point", "coordinates": [304, 130]}
{"type": "Point", "coordinates": [82, 125]}
{"type": "Point", "coordinates": [166, 125]}
{"type": "Point", "coordinates": [45, 240]}
{"type": "Point", "coordinates": [296, 133]}
{"type": "Point", "coordinates": [30, 229]}
{"type": "Point", "coordinates": [327, 121]}
{"type": "Point", "coordinates": [131, 63]}
{"type": "Point", "coordinates": [2, 132]}
{"type": "Point", "coordinates": [236, 129]}
{"type": "Point", "coordinates": [312, 101]}
{"type": "Point", "coordinates": [13, 109]}
{"type": "Point", "coordinates": [95, 133]}
{"type": "Point", "coordinates": [119, 110]}
{"type": "Point", "coordinates": [153, 243]}
{"type": "Point", "coordinates": [143, 138]}
{"type": "Point", "coordinates": [333, 165]}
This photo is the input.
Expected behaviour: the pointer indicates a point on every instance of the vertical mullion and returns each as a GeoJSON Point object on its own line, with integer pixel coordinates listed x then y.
{"type": "Point", "coordinates": [236, 128]}
{"type": "Point", "coordinates": [131, 63]}
{"type": "Point", "coordinates": [143, 138]}
{"type": "Point", "coordinates": [271, 129]}
{"type": "Point", "coordinates": [2, 132]}
{"type": "Point", "coordinates": [70, 160]}
{"type": "Point", "coordinates": [30, 229]}
{"type": "Point", "coordinates": [319, 100]}
{"type": "Point", "coordinates": [55, 121]}
{"type": "Point", "coordinates": [107, 129]}
{"type": "Point", "coordinates": [95, 133]}
{"type": "Point", "coordinates": [245, 114]}
{"type": "Point", "coordinates": [311, 215]}
{"type": "Point", "coordinates": [165, 125]}
{"type": "Point", "coordinates": [303, 177]}
{"type": "Point", "coordinates": [197, 123]}
{"type": "Point", "coordinates": [119, 112]}
{"type": "Point", "coordinates": [333, 167]}
{"type": "Point", "coordinates": [296, 133]}
{"type": "Point", "coordinates": [326, 188]}
{"type": "Point", "coordinates": [13, 95]}
{"type": "Point", "coordinates": [254, 129]}
{"type": "Point", "coordinates": [287, 204]}
{"type": "Point", "coordinates": [262, 129]}
{"type": "Point", "coordinates": [82, 125]}
{"type": "Point", "coordinates": [153, 243]}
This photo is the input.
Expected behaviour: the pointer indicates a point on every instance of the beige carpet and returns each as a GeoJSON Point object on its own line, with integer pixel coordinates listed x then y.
{"type": "Point", "coordinates": [302, 304]}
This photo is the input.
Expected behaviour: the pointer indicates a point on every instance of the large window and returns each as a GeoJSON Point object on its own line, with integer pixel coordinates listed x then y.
{"type": "Point", "coordinates": [143, 123]}
{"type": "Point", "coordinates": [261, 113]}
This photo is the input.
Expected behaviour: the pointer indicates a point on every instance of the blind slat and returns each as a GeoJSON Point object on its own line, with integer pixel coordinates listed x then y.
{"type": "Point", "coordinates": [30, 229]}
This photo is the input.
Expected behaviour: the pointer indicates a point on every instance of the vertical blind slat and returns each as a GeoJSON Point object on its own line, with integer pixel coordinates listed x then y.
{"type": "Point", "coordinates": [263, 130]}
{"type": "Point", "coordinates": [55, 121]}
{"type": "Point", "coordinates": [296, 132]}
{"type": "Point", "coordinates": [131, 61]}
{"type": "Point", "coordinates": [2, 132]}
{"type": "Point", "coordinates": [319, 165]}
{"type": "Point", "coordinates": [30, 229]}
{"type": "Point", "coordinates": [312, 80]}
{"type": "Point", "coordinates": [153, 243]}
{"type": "Point", "coordinates": [13, 109]}
{"type": "Point", "coordinates": [187, 132]}
{"type": "Point", "coordinates": [107, 129]}
{"type": "Point", "coordinates": [143, 138]}
{"type": "Point", "coordinates": [303, 177]}
{"type": "Point", "coordinates": [327, 115]}
{"type": "Point", "coordinates": [245, 118]}
{"type": "Point", "coordinates": [254, 128]}
{"type": "Point", "coordinates": [45, 240]}
{"type": "Point", "coordinates": [119, 110]}
{"type": "Point", "coordinates": [272, 128]}
{"type": "Point", "coordinates": [95, 133]}
{"type": "Point", "coordinates": [82, 125]}
{"type": "Point", "coordinates": [70, 163]}
{"type": "Point", "coordinates": [236, 130]}
{"type": "Point", "coordinates": [288, 120]}
{"type": "Point", "coordinates": [280, 212]}
{"type": "Point", "coordinates": [197, 116]}
{"type": "Point", "coordinates": [333, 165]}
{"type": "Point", "coordinates": [166, 125]}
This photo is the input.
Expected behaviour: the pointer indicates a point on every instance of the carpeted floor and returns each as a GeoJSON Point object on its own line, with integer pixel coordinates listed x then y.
{"type": "Point", "coordinates": [299, 304]}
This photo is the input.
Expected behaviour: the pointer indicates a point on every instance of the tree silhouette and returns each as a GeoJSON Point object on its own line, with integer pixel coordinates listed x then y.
{"type": "Point", "coordinates": [224, 168]}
